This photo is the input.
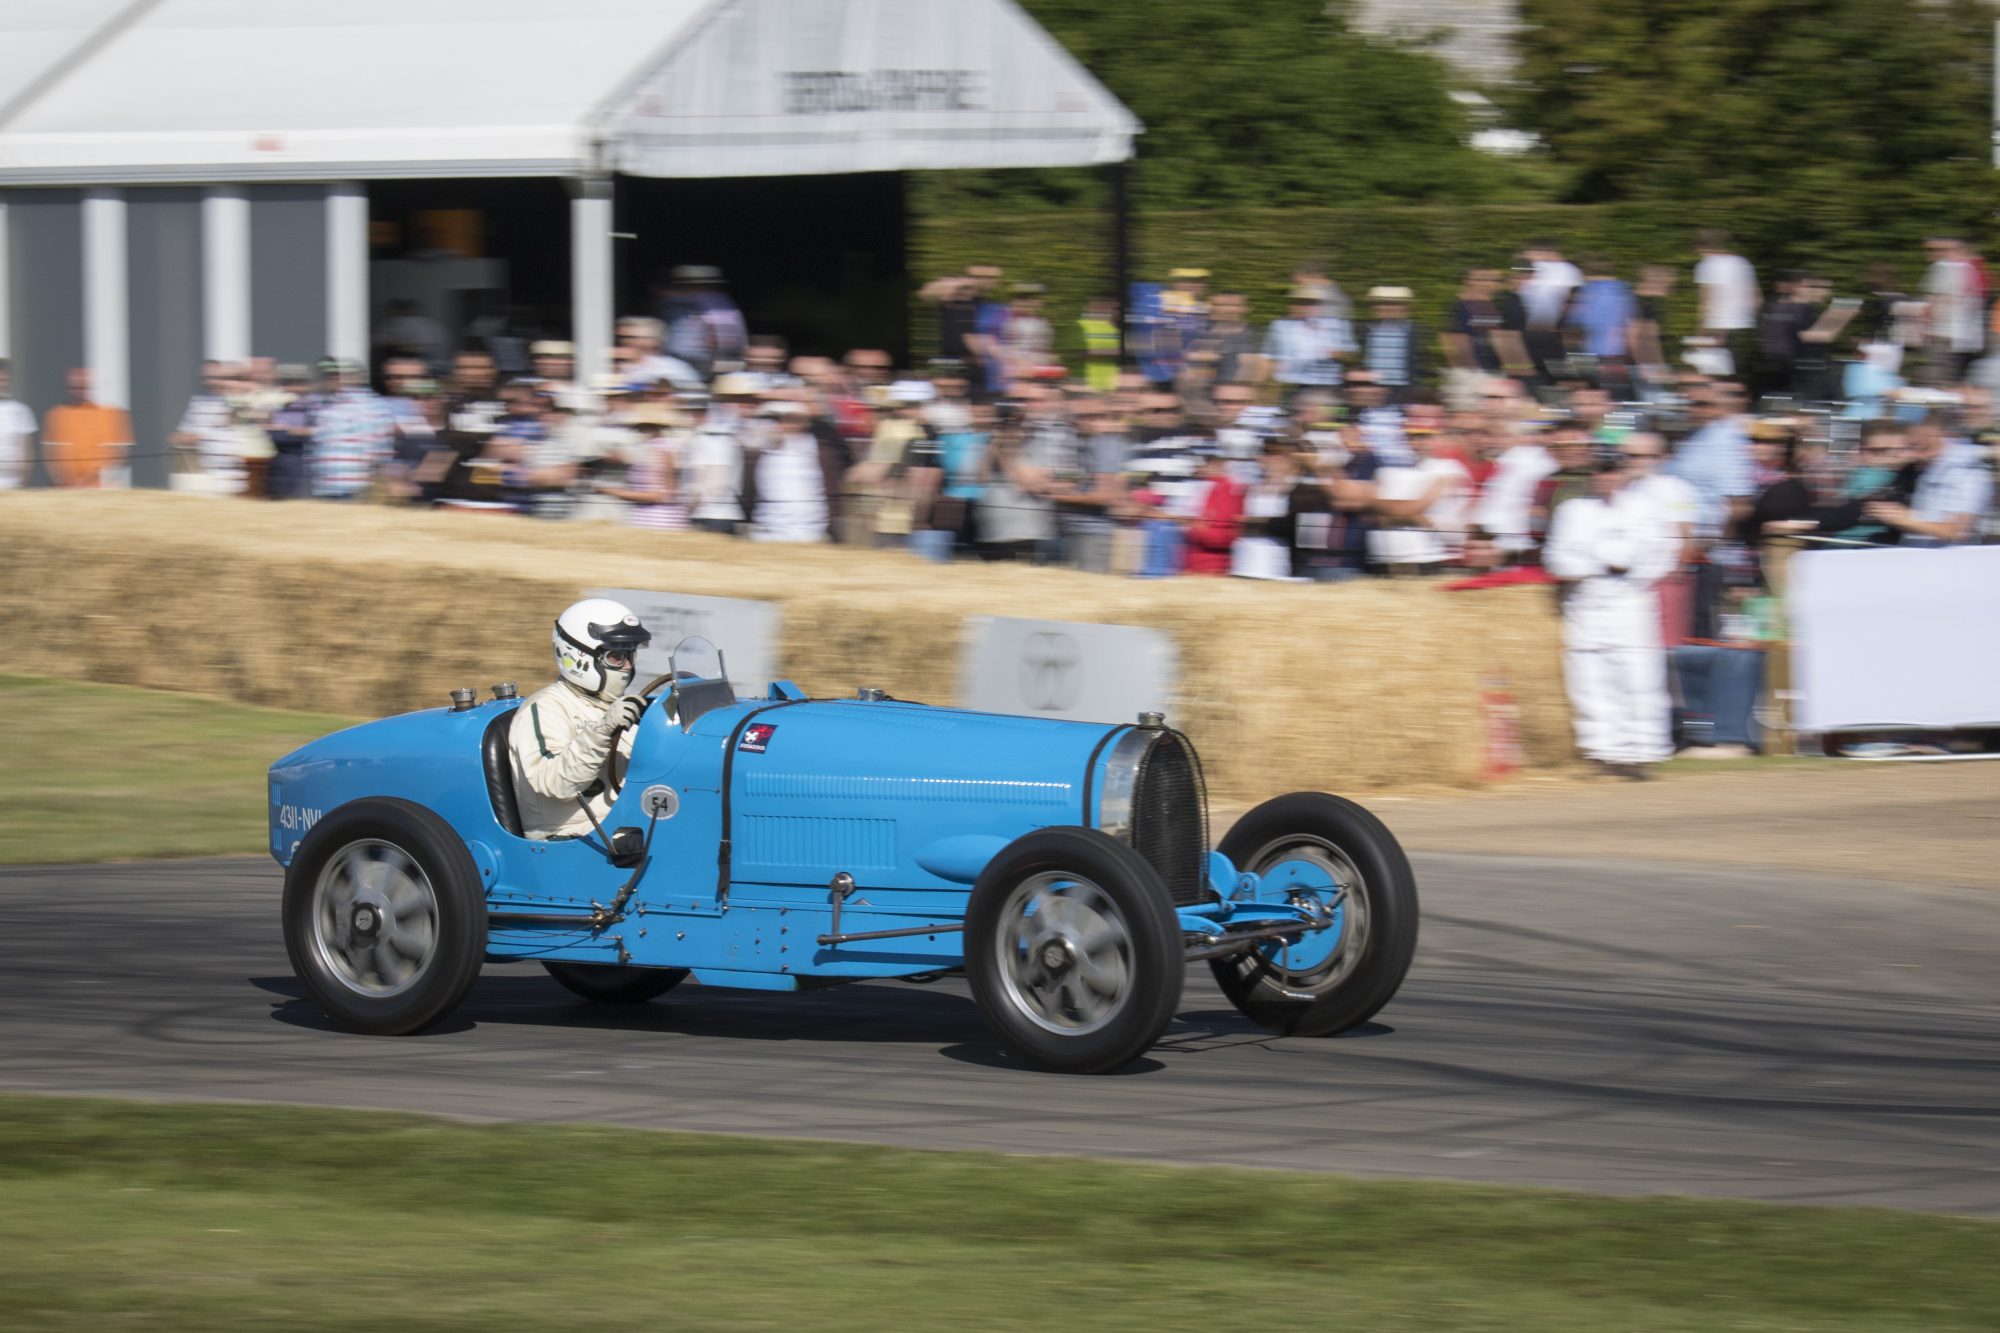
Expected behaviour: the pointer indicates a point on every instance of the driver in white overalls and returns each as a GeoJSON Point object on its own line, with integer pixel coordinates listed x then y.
{"type": "Point", "coordinates": [561, 734]}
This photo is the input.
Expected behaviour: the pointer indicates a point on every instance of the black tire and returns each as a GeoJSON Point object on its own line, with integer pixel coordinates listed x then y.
{"type": "Point", "coordinates": [1090, 986]}
{"type": "Point", "coordinates": [611, 983]}
{"type": "Point", "coordinates": [1377, 942]}
{"type": "Point", "coordinates": [388, 871]}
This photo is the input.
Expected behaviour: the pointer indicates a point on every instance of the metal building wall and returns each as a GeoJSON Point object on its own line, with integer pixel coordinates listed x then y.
{"type": "Point", "coordinates": [164, 242]}
{"type": "Point", "coordinates": [45, 241]}
{"type": "Point", "coordinates": [288, 272]}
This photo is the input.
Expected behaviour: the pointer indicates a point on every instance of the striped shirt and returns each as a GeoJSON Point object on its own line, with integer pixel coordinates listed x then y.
{"type": "Point", "coordinates": [353, 434]}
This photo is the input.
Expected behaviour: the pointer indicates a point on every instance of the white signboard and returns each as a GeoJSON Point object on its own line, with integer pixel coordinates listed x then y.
{"type": "Point", "coordinates": [745, 631]}
{"type": "Point", "coordinates": [1065, 669]}
{"type": "Point", "coordinates": [1903, 637]}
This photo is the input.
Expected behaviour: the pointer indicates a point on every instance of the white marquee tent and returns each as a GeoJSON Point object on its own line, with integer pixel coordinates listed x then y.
{"type": "Point", "coordinates": [115, 96]}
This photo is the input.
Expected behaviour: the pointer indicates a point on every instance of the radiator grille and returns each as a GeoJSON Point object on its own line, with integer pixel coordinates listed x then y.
{"type": "Point", "coordinates": [1170, 816]}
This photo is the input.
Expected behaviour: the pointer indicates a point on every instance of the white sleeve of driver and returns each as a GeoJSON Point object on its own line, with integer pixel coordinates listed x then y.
{"type": "Point", "coordinates": [561, 752]}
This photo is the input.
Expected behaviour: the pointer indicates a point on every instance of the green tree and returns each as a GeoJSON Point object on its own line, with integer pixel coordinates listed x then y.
{"type": "Point", "coordinates": [1262, 104]}
{"type": "Point", "coordinates": [1845, 125]}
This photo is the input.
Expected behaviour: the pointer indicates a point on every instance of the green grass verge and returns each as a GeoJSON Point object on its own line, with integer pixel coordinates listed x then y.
{"type": "Point", "coordinates": [109, 773]}
{"type": "Point", "coordinates": [116, 1214]}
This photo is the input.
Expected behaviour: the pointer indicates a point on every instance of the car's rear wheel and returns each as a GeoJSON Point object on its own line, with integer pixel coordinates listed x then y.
{"type": "Point", "coordinates": [1073, 951]}
{"type": "Point", "coordinates": [611, 983]}
{"type": "Point", "coordinates": [1328, 981]}
{"type": "Point", "coordinates": [384, 917]}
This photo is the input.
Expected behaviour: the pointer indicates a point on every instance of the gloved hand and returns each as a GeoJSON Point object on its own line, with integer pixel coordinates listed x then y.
{"type": "Point", "coordinates": [623, 713]}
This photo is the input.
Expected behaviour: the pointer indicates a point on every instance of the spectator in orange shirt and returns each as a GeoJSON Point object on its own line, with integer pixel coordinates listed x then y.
{"type": "Point", "coordinates": [84, 443]}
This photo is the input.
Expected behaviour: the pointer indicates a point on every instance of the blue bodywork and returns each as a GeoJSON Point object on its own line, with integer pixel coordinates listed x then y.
{"type": "Point", "coordinates": [912, 801]}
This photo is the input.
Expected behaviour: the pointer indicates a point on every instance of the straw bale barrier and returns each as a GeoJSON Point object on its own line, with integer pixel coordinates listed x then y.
{"type": "Point", "coordinates": [366, 611]}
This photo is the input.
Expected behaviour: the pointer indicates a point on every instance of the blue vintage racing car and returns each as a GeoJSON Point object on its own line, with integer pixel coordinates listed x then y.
{"type": "Point", "coordinates": [787, 843]}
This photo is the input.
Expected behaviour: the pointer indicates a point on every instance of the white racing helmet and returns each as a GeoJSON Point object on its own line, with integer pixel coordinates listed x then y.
{"type": "Point", "coordinates": [589, 632]}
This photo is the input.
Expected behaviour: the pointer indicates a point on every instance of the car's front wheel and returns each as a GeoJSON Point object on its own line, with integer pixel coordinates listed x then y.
{"type": "Point", "coordinates": [1349, 869]}
{"type": "Point", "coordinates": [384, 917]}
{"type": "Point", "coordinates": [1073, 951]}
{"type": "Point", "coordinates": [612, 983]}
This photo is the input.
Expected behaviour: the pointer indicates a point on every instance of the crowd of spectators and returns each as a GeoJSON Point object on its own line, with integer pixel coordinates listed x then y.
{"type": "Point", "coordinates": [1333, 444]}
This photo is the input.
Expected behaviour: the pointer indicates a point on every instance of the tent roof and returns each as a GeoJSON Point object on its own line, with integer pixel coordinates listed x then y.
{"type": "Point", "coordinates": [108, 91]}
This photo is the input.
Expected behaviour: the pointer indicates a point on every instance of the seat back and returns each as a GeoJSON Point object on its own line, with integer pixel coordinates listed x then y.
{"type": "Point", "coordinates": [498, 758]}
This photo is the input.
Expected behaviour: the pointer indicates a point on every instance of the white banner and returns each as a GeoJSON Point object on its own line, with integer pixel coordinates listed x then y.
{"type": "Point", "coordinates": [745, 631]}
{"type": "Point", "coordinates": [1065, 669]}
{"type": "Point", "coordinates": [1901, 637]}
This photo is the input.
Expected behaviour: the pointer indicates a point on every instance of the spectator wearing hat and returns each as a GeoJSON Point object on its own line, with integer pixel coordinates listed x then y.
{"type": "Point", "coordinates": [704, 329]}
{"type": "Point", "coordinates": [651, 453]}
{"type": "Point", "coordinates": [1305, 348]}
{"type": "Point", "coordinates": [786, 494]}
{"type": "Point", "coordinates": [892, 487]}
{"type": "Point", "coordinates": [1393, 345]}
{"type": "Point", "coordinates": [1610, 546]}
{"type": "Point", "coordinates": [1424, 509]}
{"type": "Point", "coordinates": [1378, 419]}
{"type": "Point", "coordinates": [1182, 319]}
{"type": "Point", "coordinates": [715, 454]}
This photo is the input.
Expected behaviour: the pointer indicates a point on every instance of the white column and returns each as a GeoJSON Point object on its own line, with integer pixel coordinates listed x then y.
{"type": "Point", "coordinates": [225, 273]}
{"type": "Point", "coordinates": [6, 292]}
{"type": "Point", "coordinates": [347, 271]}
{"type": "Point", "coordinates": [107, 342]}
{"type": "Point", "coordinates": [590, 276]}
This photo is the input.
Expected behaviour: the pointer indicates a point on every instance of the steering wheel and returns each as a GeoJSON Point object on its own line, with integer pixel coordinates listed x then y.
{"type": "Point", "coordinates": [613, 774]}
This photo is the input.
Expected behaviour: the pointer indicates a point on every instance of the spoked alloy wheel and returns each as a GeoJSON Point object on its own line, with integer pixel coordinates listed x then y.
{"type": "Point", "coordinates": [1322, 960]}
{"type": "Point", "coordinates": [1073, 951]}
{"type": "Point", "coordinates": [384, 916]}
{"type": "Point", "coordinates": [1065, 963]}
{"type": "Point", "coordinates": [1341, 858]}
{"type": "Point", "coordinates": [374, 918]}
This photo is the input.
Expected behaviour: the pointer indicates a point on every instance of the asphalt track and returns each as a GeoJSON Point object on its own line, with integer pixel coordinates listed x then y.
{"type": "Point", "coordinates": [1601, 1025]}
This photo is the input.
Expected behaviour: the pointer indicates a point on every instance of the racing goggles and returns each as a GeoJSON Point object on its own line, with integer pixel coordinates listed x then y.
{"type": "Point", "coordinates": [619, 659]}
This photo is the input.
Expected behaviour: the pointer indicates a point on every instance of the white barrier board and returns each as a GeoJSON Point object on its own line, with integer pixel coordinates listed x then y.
{"type": "Point", "coordinates": [1902, 637]}
{"type": "Point", "coordinates": [1065, 669]}
{"type": "Point", "coordinates": [746, 632]}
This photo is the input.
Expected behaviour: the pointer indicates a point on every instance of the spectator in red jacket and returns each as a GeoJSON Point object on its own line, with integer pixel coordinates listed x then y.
{"type": "Point", "coordinates": [1220, 522]}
